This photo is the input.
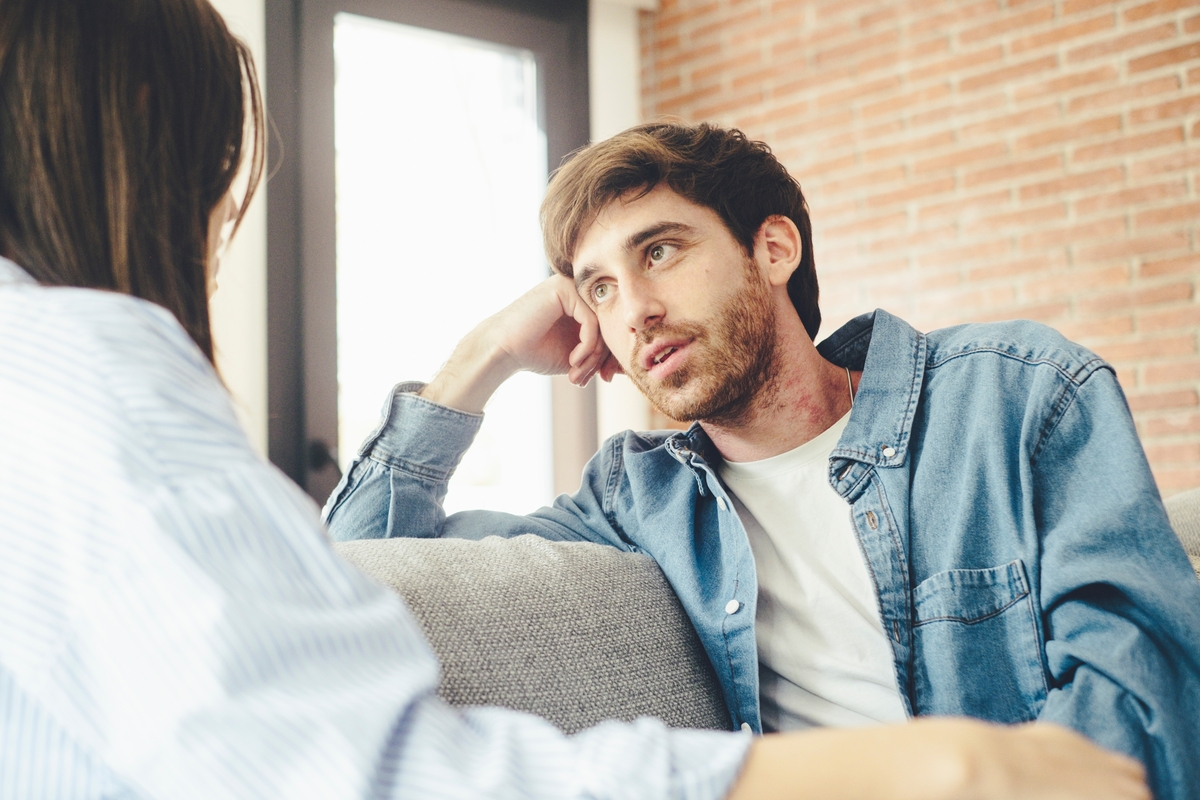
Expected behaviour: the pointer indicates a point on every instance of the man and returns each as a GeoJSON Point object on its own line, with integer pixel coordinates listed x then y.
{"type": "Point", "coordinates": [891, 524]}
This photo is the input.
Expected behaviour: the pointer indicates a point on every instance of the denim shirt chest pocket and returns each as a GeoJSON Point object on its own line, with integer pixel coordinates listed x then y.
{"type": "Point", "coordinates": [976, 645]}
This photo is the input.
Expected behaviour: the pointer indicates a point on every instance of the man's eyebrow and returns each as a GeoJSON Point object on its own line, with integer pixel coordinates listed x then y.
{"type": "Point", "coordinates": [635, 240]}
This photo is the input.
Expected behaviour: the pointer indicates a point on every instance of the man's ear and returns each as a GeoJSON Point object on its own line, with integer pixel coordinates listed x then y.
{"type": "Point", "coordinates": [778, 247]}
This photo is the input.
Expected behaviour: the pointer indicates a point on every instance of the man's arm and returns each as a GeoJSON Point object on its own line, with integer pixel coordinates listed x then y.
{"type": "Point", "coordinates": [1121, 604]}
{"type": "Point", "coordinates": [396, 484]}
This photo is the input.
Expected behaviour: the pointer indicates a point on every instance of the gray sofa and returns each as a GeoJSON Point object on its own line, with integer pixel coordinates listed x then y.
{"type": "Point", "coordinates": [575, 633]}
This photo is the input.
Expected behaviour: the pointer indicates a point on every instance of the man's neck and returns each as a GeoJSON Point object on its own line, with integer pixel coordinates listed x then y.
{"type": "Point", "coordinates": [806, 396]}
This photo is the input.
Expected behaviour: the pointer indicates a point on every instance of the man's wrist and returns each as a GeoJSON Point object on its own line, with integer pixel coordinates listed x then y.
{"type": "Point", "coordinates": [472, 375]}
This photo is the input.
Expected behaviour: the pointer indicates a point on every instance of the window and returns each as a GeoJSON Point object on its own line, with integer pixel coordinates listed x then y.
{"type": "Point", "coordinates": [416, 151]}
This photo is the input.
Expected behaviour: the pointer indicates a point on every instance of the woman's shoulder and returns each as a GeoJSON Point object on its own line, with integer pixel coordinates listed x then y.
{"type": "Point", "coordinates": [76, 357]}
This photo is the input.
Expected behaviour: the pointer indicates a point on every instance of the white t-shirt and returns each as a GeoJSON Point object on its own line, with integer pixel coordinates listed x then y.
{"type": "Point", "coordinates": [823, 656]}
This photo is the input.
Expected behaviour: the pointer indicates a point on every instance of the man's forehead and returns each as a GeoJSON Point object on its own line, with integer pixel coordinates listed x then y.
{"type": "Point", "coordinates": [638, 208]}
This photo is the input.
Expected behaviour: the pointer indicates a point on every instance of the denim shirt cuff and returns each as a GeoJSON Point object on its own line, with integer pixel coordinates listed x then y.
{"type": "Point", "coordinates": [419, 435]}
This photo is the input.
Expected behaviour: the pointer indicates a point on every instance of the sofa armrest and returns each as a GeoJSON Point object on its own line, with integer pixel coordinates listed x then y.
{"type": "Point", "coordinates": [575, 633]}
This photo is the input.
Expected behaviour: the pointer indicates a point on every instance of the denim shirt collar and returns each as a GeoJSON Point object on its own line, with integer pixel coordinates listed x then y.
{"type": "Point", "coordinates": [891, 354]}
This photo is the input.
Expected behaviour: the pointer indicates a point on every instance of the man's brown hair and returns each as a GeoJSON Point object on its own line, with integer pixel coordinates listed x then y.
{"type": "Point", "coordinates": [122, 125]}
{"type": "Point", "coordinates": [718, 168]}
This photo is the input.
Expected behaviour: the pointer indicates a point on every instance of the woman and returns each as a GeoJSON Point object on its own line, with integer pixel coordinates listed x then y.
{"type": "Point", "coordinates": [172, 621]}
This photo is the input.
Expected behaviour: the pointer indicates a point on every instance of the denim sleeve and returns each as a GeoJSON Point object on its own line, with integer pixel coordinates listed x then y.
{"type": "Point", "coordinates": [398, 480]}
{"type": "Point", "coordinates": [1120, 599]}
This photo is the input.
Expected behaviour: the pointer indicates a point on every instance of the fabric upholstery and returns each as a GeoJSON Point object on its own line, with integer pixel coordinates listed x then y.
{"type": "Point", "coordinates": [1184, 510]}
{"type": "Point", "coordinates": [573, 632]}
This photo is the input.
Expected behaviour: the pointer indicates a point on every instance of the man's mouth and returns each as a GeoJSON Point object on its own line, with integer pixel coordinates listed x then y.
{"type": "Point", "coordinates": [661, 353]}
{"type": "Point", "coordinates": [664, 355]}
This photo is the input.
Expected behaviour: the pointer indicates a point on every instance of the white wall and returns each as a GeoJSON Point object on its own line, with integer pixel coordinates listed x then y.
{"type": "Point", "coordinates": [615, 77]}
{"type": "Point", "coordinates": [239, 307]}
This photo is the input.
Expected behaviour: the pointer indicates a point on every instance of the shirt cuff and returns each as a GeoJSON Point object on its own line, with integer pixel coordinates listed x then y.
{"type": "Point", "coordinates": [419, 435]}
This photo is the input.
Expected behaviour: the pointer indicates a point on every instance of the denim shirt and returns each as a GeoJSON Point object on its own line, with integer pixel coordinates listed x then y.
{"type": "Point", "coordinates": [1023, 561]}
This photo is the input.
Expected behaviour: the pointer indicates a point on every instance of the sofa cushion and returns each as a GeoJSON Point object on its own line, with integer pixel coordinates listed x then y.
{"type": "Point", "coordinates": [573, 632]}
{"type": "Point", "coordinates": [1184, 511]}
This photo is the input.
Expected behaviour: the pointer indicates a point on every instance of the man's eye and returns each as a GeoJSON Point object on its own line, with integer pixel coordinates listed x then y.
{"type": "Point", "coordinates": [660, 251]}
{"type": "Point", "coordinates": [600, 291]}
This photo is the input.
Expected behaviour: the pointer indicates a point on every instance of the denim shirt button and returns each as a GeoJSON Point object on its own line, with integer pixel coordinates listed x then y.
{"type": "Point", "coordinates": [889, 451]}
{"type": "Point", "coordinates": [732, 606]}
{"type": "Point", "coordinates": [746, 727]}
{"type": "Point", "coordinates": [721, 504]}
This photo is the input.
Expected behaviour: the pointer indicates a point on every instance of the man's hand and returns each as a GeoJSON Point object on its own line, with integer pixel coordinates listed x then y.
{"type": "Point", "coordinates": [930, 759]}
{"type": "Point", "coordinates": [549, 330]}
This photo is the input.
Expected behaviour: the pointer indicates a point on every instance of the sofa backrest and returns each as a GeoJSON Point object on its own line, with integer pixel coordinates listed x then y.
{"type": "Point", "coordinates": [575, 633]}
{"type": "Point", "coordinates": [1184, 511]}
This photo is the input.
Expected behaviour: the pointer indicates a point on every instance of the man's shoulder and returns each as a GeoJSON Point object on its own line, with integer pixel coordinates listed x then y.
{"type": "Point", "coordinates": [1018, 342]}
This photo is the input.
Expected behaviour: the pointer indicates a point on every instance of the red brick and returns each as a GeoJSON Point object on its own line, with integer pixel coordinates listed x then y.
{"type": "Point", "coordinates": [1173, 163]}
{"type": "Point", "coordinates": [1171, 319]}
{"type": "Point", "coordinates": [1174, 425]}
{"type": "Point", "coordinates": [865, 180]}
{"type": "Point", "coordinates": [1067, 284]}
{"type": "Point", "coordinates": [1122, 43]}
{"type": "Point", "coordinates": [1192, 24]}
{"type": "Point", "coordinates": [1062, 33]}
{"type": "Point", "coordinates": [952, 67]}
{"type": "Point", "coordinates": [998, 27]}
{"type": "Point", "coordinates": [1017, 267]}
{"type": "Point", "coordinates": [960, 158]}
{"type": "Point", "coordinates": [948, 115]}
{"type": "Point", "coordinates": [1089, 329]}
{"type": "Point", "coordinates": [1170, 266]}
{"type": "Point", "coordinates": [1178, 372]}
{"type": "Point", "coordinates": [1078, 6]}
{"type": "Point", "coordinates": [907, 101]}
{"type": "Point", "coordinates": [1168, 110]}
{"type": "Point", "coordinates": [1128, 144]}
{"type": "Point", "coordinates": [964, 204]}
{"type": "Point", "coordinates": [1168, 453]}
{"type": "Point", "coordinates": [1185, 212]}
{"type": "Point", "coordinates": [854, 49]}
{"type": "Point", "coordinates": [913, 192]}
{"type": "Point", "coordinates": [1065, 83]}
{"type": "Point", "coordinates": [965, 254]}
{"type": "Point", "coordinates": [1159, 401]}
{"type": "Point", "coordinates": [1013, 170]}
{"type": "Point", "coordinates": [1157, 8]}
{"type": "Point", "coordinates": [1130, 197]}
{"type": "Point", "coordinates": [1120, 95]}
{"type": "Point", "coordinates": [1008, 73]}
{"type": "Point", "coordinates": [1136, 298]}
{"type": "Point", "coordinates": [1163, 58]}
{"type": "Point", "coordinates": [1134, 248]}
{"type": "Point", "coordinates": [1018, 220]}
{"type": "Point", "coordinates": [1158, 347]}
{"type": "Point", "coordinates": [1007, 123]}
{"type": "Point", "coordinates": [938, 140]}
{"type": "Point", "coordinates": [864, 89]}
{"type": "Point", "coordinates": [1173, 481]}
{"type": "Point", "coordinates": [1069, 133]}
{"type": "Point", "coordinates": [717, 69]}
{"type": "Point", "coordinates": [961, 13]}
{"type": "Point", "coordinates": [1098, 230]}
{"type": "Point", "coordinates": [868, 225]}
{"type": "Point", "coordinates": [1069, 183]}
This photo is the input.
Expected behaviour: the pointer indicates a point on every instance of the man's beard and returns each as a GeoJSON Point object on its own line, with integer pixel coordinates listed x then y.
{"type": "Point", "coordinates": [731, 360]}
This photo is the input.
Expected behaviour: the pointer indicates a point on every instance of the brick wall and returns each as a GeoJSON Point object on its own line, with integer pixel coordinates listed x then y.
{"type": "Point", "coordinates": [969, 160]}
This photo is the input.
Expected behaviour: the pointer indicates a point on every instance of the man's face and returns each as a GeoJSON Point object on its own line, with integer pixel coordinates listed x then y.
{"type": "Point", "coordinates": [685, 311]}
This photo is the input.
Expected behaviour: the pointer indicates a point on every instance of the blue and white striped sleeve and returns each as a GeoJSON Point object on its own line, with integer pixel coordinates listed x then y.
{"type": "Point", "coordinates": [173, 622]}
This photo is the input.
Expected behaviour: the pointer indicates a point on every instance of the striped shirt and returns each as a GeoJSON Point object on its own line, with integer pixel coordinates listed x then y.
{"type": "Point", "coordinates": [174, 623]}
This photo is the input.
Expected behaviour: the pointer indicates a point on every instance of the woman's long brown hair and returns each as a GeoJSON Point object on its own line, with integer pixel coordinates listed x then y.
{"type": "Point", "coordinates": [122, 125]}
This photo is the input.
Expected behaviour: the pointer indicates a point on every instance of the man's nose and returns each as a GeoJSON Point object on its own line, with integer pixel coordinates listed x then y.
{"type": "Point", "coordinates": [643, 308]}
